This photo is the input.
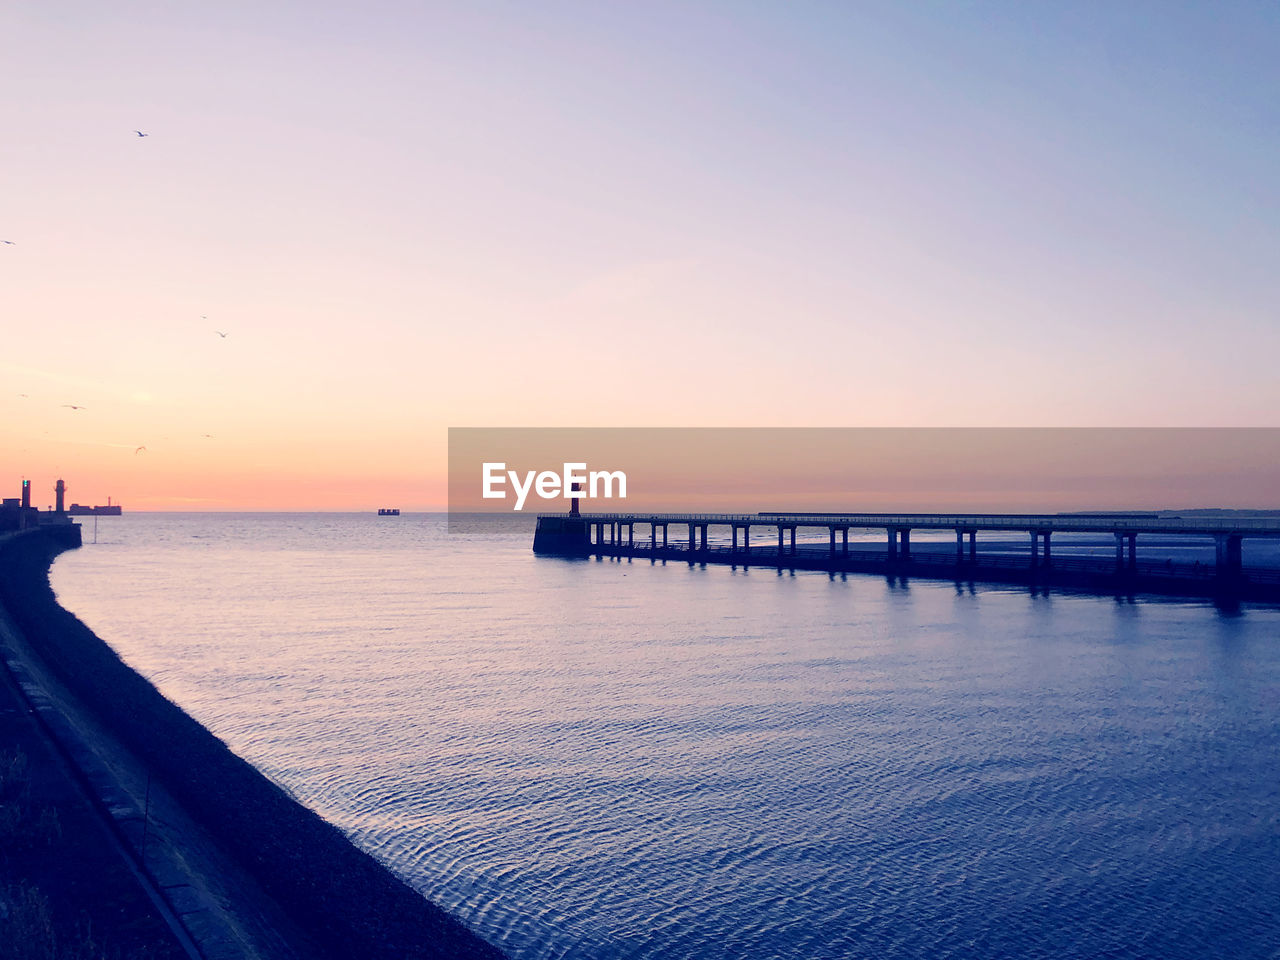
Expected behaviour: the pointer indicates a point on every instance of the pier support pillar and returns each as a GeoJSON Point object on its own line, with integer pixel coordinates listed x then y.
{"type": "Point", "coordinates": [959, 545]}
{"type": "Point", "coordinates": [1048, 561]}
{"type": "Point", "coordinates": [793, 541]}
{"type": "Point", "coordinates": [844, 542]}
{"type": "Point", "coordinates": [1119, 553]}
{"type": "Point", "coordinates": [693, 538]}
{"type": "Point", "coordinates": [833, 542]}
{"type": "Point", "coordinates": [746, 538]}
{"type": "Point", "coordinates": [973, 546]}
{"type": "Point", "coordinates": [1229, 555]}
{"type": "Point", "coordinates": [653, 536]}
{"type": "Point", "coordinates": [899, 544]}
{"type": "Point", "coordinates": [1035, 549]}
{"type": "Point", "coordinates": [1133, 551]}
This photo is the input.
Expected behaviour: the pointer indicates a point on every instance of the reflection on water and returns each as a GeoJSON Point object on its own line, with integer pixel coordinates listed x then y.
{"type": "Point", "coordinates": [617, 759]}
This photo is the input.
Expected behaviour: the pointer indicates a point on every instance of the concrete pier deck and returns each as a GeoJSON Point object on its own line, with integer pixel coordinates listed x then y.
{"type": "Point", "coordinates": [823, 542]}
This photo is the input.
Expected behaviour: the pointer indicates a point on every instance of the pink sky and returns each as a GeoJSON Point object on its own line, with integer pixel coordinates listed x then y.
{"type": "Point", "coordinates": [408, 217]}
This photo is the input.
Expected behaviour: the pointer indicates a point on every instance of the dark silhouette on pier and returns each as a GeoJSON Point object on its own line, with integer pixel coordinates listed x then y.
{"type": "Point", "coordinates": [17, 513]}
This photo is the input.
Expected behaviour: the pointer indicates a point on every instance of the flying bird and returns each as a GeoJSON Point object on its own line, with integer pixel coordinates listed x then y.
{"type": "Point", "coordinates": [207, 436]}
{"type": "Point", "coordinates": [9, 242]}
{"type": "Point", "coordinates": [24, 396]}
{"type": "Point", "coordinates": [221, 334]}
{"type": "Point", "coordinates": [74, 406]}
{"type": "Point", "coordinates": [138, 451]}
{"type": "Point", "coordinates": [141, 134]}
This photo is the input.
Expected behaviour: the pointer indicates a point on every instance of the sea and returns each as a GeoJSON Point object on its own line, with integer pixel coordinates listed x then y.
{"type": "Point", "coordinates": [596, 759]}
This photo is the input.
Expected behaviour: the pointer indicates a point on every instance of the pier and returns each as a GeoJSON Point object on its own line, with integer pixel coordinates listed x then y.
{"type": "Point", "coordinates": [813, 541]}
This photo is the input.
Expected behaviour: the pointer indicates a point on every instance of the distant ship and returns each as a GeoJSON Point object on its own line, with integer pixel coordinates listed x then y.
{"type": "Point", "coordinates": [389, 512]}
{"type": "Point", "coordinates": [80, 510]}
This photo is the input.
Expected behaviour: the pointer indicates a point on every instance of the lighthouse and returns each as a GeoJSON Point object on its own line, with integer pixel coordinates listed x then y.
{"type": "Point", "coordinates": [60, 494]}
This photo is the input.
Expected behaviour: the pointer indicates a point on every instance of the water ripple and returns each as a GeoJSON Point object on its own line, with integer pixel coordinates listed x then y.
{"type": "Point", "coordinates": [705, 763]}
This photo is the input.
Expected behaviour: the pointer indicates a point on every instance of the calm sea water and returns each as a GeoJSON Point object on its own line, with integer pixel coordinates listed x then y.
{"type": "Point", "coordinates": [609, 759]}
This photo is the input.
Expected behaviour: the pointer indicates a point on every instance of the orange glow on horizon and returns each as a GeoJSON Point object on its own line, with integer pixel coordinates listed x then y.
{"type": "Point", "coordinates": [711, 470]}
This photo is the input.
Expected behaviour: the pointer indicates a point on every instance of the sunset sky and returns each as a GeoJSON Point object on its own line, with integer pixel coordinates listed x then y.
{"type": "Point", "coordinates": [407, 216]}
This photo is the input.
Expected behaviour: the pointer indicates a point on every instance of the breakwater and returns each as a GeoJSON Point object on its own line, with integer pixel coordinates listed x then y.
{"type": "Point", "coordinates": [789, 543]}
{"type": "Point", "coordinates": [342, 900]}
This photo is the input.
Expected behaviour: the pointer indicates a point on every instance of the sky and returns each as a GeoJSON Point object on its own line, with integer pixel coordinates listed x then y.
{"type": "Point", "coordinates": [406, 217]}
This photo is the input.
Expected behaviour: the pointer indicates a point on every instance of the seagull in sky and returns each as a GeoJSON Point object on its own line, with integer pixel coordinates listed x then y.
{"type": "Point", "coordinates": [207, 436]}
{"type": "Point", "coordinates": [9, 242]}
{"type": "Point", "coordinates": [138, 451]}
{"type": "Point", "coordinates": [23, 396]}
{"type": "Point", "coordinates": [221, 334]}
{"type": "Point", "coordinates": [141, 134]}
{"type": "Point", "coordinates": [74, 406]}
